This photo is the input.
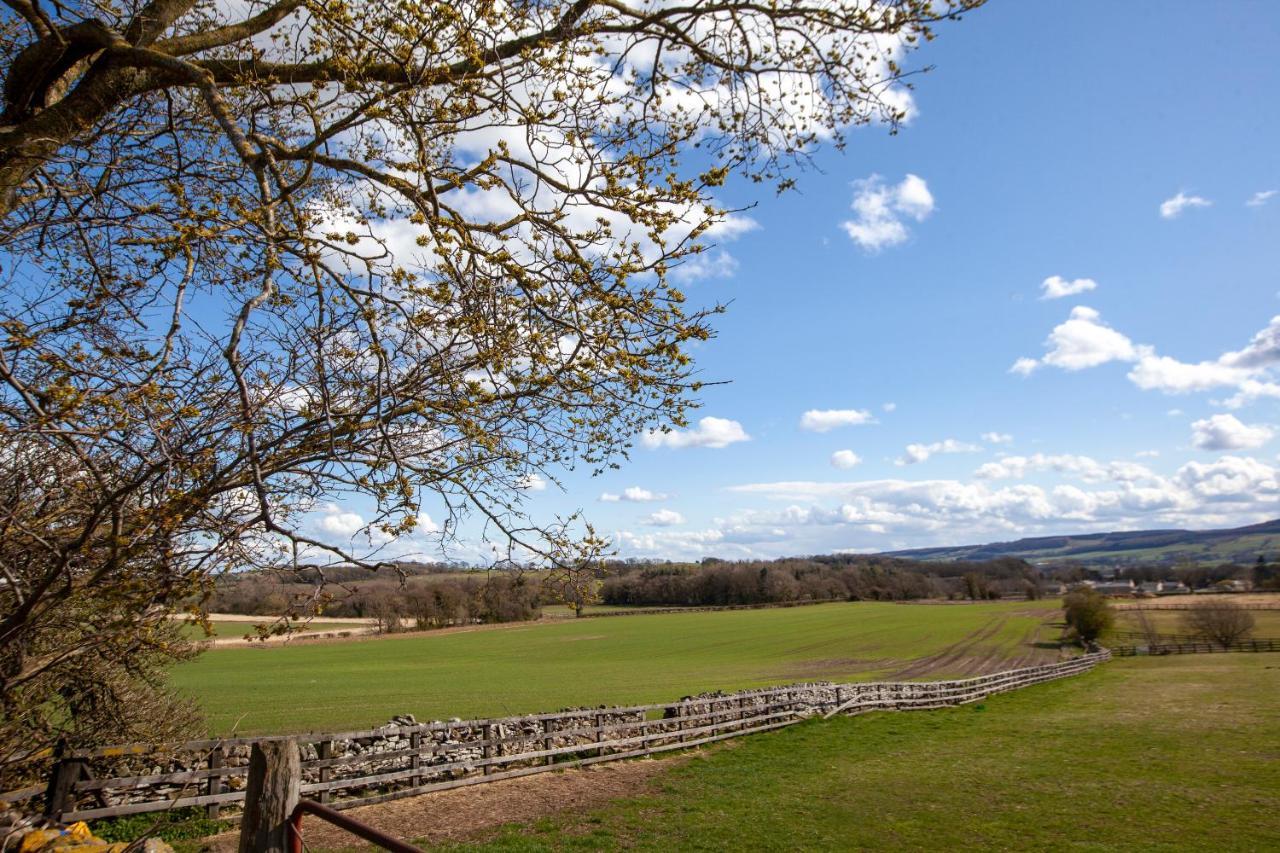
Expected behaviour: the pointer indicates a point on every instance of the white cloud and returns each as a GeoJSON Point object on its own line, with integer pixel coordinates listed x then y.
{"type": "Point", "coordinates": [663, 518]}
{"type": "Point", "coordinates": [1056, 287]}
{"type": "Point", "coordinates": [880, 209]}
{"type": "Point", "coordinates": [845, 459]}
{"type": "Point", "coordinates": [915, 453]}
{"type": "Point", "coordinates": [1260, 198]}
{"type": "Point", "coordinates": [1024, 366]}
{"type": "Point", "coordinates": [1235, 478]}
{"type": "Point", "coordinates": [634, 494]}
{"type": "Point", "coordinates": [339, 522]}
{"type": "Point", "coordinates": [705, 265]}
{"type": "Point", "coordinates": [889, 407]}
{"type": "Point", "coordinates": [1171, 208]}
{"type": "Point", "coordinates": [1147, 454]}
{"type": "Point", "coordinates": [1083, 467]}
{"type": "Point", "coordinates": [1085, 341]}
{"type": "Point", "coordinates": [997, 437]}
{"type": "Point", "coordinates": [1226, 432]}
{"type": "Point", "coordinates": [825, 420]}
{"type": "Point", "coordinates": [531, 483]}
{"type": "Point", "coordinates": [710, 432]}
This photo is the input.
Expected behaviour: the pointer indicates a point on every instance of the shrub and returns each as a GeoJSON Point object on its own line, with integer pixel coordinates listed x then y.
{"type": "Point", "coordinates": [1088, 614]}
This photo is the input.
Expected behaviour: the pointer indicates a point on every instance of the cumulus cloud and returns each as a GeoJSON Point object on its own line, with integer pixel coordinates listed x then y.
{"type": "Point", "coordinates": [880, 209]}
{"type": "Point", "coordinates": [915, 453]}
{"type": "Point", "coordinates": [1260, 198]}
{"type": "Point", "coordinates": [1226, 432]}
{"type": "Point", "coordinates": [1056, 287]}
{"type": "Point", "coordinates": [1083, 467]}
{"type": "Point", "coordinates": [889, 407]}
{"type": "Point", "coordinates": [531, 483]}
{"type": "Point", "coordinates": [997, 437]}
{"type": "Point", "coordinates": [1231, 490]}
{"type": "Point", "coordinates": [663, 518]}
{"type": "Point", "coordinates": [825, 420]}
{"type": "Point", "coordinates": [1085, 341]}
{"type": "Point", "coordinates": [844, 459]}
{"type": "Point", "coordinates": [1024, 366]}
{"type": "Point", "coordinates": [802, 516]}
{"type": "Point", "coordinates": [705, 265]}
{"type": "Point", "coordinates": [710, 432]}
{"type": "Point", "coordinates": [634, 494]}
{"type": "Point", "coordinates": [1171, 208]}
{"type": "Point", "coordinates": [339, 521]}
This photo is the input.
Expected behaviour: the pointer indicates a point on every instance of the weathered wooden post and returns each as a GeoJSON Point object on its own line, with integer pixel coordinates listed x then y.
{"type": "Point", "coordinates": [415, 760]}
{"type": "Point", "coordinates": [599, 732]}
{"type": "Point", "coordinates": [213, 810]}
{"type": "Point", "coordinates": [60, 796]}
{"type": "Point", "coordinates": [546, 739]}
{"type": "Point", "coordinates": [324, 751]}
{"type": "Point", "coordinates": [486, 733]}
{"type": "Point", "coordinates": [275, 776]}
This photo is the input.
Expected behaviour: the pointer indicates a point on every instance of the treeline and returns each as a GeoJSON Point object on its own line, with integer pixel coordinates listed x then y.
{"type": "Point", "coordinates": [833, 578]}
{"type": "Point", "coordinates": [1262, 575]}
{"type": "Point", "coordinates": [426, 601]}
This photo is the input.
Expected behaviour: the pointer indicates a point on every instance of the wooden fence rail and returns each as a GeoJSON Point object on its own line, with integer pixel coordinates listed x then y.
{"type": "Point", "coordinates": [1196, 605]}
{"type": "Point", "coordinates": [1200, 647]}
{"type": "Point", "coordinates": [346, 769]}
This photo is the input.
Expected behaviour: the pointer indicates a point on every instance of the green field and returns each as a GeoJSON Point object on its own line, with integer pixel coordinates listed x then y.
{"type": "Point", "coordinates": [1171, 754]}
{"type": "Point", "coordinates": [1266, 622]}
{"type": "Point", "coordinates": [531, 667]}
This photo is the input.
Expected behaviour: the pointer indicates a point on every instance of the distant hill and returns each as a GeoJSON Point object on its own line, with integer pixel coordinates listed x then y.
{"type": "Point", "coordinates": [1240, 545]}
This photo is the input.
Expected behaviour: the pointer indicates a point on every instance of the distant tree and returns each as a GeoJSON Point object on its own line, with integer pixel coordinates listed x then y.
{"type": "Point", "coordinates": [1265, 576]}
{"type": "Point", "coordinates": [1221, 622]}
{"type": "Point", "coordinates": [1087, 613]}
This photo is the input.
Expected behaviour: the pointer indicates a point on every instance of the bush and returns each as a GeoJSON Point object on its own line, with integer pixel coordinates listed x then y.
{"type": "Point", "coordinates": [1088, 614]}
{"type": "Point", "coordinates": [1221, 622]}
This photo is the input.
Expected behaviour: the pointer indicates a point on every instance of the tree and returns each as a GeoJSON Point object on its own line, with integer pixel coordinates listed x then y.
{"type": "Point", "coordinates": [262, 255]}
{"type": "Point", "coordinates": [1087, 613]}
{"type": "Point", "coordinates": [1221, 622]}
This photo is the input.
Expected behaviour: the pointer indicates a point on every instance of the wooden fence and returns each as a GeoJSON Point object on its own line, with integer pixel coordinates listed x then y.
{"type": "Point", "coordinates": [358, 768]}
{"type": "Point", "coordinates": [1196, 605]}
{"type": "Point", "coordinates": [1198, 647]}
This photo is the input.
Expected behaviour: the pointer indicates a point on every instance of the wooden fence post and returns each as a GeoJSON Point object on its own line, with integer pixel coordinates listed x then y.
{"type": "Point", "coordinates": [415, 760]}
{"type": "Point", "coordinates": [324, 749]}
{"type": "Point", "coordinates": [486, 732]}
{"type": "Point", "coordinates": [275, 775]}
{"type": "Point", "coordinates": [546, 739]}
{"type": "Point", "coordinates": [599, 732]}
{"type": "Point", "coordinates": [60, 796]}
{"type": "Point", "coordinates": [213, 810]}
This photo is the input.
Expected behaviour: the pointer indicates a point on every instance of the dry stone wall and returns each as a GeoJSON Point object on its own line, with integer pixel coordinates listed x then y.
{"type": "Point", "coordinates": [406, 757]}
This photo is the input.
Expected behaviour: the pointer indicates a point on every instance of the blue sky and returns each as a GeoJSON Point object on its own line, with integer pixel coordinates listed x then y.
{"type": "Point", "coordinates": [1043, 144]}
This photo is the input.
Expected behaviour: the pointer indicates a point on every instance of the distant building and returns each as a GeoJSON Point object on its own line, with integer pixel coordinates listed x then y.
{"type": "Point", "coordinates": [1115, 587]}
{"type": "Point", "coordinates": [1173, 588]}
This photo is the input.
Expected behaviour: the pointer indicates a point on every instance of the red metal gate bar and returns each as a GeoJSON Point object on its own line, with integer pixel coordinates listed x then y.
{"type": "Point", "coordinates": [338, 819]}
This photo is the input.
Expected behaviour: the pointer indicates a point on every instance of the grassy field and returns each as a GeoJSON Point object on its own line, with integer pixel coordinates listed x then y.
{"type": "Point", "coordinates": [1171, 754]}
{"type": "Point", "coordinates": [1266, 622]}
{"type": "Point", "coordinates": [544, 666]}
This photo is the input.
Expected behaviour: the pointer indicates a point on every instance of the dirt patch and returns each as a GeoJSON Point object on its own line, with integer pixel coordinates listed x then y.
{"type": "Point", "coordinates": [466, 814]}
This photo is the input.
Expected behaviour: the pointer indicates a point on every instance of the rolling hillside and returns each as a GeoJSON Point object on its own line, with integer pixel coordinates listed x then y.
{"type": "Point", "coordinates": [1241, 545]}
